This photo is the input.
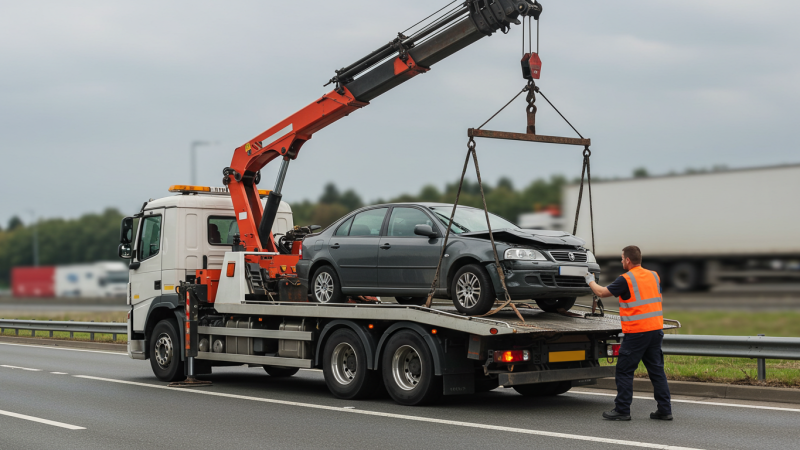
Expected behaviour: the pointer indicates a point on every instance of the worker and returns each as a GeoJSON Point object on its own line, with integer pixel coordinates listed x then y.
{"type": "Point", "coordinates": [639, 293]}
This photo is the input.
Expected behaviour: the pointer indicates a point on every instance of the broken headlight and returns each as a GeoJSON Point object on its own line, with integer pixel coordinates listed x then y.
{"type": "Point", "coordinates": [524, 254]}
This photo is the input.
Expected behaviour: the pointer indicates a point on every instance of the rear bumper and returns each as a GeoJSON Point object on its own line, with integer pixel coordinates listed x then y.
{"type": "Point", "coordinates": [547, 376]}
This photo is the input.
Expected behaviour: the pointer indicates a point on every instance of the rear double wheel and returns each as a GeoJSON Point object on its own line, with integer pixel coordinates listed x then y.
{"type": "Point", "coordinates": [344, 365]}
{"type": "Point", "coordinates": [408, 370]}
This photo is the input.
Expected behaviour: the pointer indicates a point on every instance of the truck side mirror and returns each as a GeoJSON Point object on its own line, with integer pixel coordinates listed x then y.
{"type": "Point", "coordinates": [126, 231]}
{"type": "Point", "coordinates": [125, 251]}
{"type": "Point", "coordinates": [424, 230]}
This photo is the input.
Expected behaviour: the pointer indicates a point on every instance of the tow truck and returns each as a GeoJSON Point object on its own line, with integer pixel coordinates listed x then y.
{"type": "Point", "coordinates": [211, 285]}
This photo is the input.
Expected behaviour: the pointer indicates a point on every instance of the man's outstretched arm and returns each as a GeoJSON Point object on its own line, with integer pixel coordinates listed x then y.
{"type": "Point", "coordinates": [598, 290]}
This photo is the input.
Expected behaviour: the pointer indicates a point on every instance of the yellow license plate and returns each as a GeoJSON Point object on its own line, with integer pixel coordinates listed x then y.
{"type": "Point", "coordinates": [575, 355]}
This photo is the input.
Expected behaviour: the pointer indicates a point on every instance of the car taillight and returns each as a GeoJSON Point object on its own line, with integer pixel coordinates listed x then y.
{"type": "Point", "coordinates": [511, 356]}
{"type": "Point", "coordinates": [612, 349]}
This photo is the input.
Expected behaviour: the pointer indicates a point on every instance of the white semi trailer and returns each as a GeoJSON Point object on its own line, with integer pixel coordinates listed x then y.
{"type": "Point", "coordinates": [732, 228]}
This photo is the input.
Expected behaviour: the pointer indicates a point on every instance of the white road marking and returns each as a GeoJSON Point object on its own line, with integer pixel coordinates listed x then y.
{"type": "Point", "coordinates": [20, 368]}
{"type": "Point", "coordinates": [59, 373]}
{"type": "Point", "coordinates": [698, 402]}
{"type": "Point", "coordinates": [403, 417]}
{"type": "Point", "coordinates": [50, 347]}
{"type": "Point", "coordinates": [44, 421]}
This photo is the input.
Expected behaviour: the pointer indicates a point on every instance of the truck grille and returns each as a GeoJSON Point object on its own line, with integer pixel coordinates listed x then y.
{"type": "Point", "coordinates": [563, 255]}
{"type": "Point", "coordinates": [563, 281]}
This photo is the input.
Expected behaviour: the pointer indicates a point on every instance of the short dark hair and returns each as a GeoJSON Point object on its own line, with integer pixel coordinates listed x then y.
{"type": "Point", "coordinates": [633, 253]}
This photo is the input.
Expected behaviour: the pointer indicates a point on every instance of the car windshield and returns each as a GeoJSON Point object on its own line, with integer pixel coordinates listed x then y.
{"type": "Point", "coordinates": [470, 219]}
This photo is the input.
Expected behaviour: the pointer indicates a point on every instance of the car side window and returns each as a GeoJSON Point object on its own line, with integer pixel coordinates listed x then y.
{"type": "Point", "coordinates": [368, 223]}
{"type": "Point", "coordinates": [344, 228]}
{"type": "Point", "coordinates": [403, 221]}
{"type": "Point", "coordinates": [221, 230]}
{"type": "Point", "coordinates": [150, 240]}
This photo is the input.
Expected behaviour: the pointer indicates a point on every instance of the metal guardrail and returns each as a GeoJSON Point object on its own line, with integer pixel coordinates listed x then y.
{"type": "Point", "coordinates": [112, 328]}
{"type": "Point", "coordinates": [758, 347]}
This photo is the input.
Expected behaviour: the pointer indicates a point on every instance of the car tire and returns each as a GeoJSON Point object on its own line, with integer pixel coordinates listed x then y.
{"type": "Point", "coordinates": [416, 301]}
{"type": "Point", "coordinates": [280, 372]}
{"type": "Point", "coordinates": [544, 389]}
{"type": "Point", "coordinates": [325, 286]}
{"type": "Point", "coordinates": [472, 290]}
{"type": "Point", "coordinates": [684, 277]}
{"type": "Point", "coordinates": [408, 370]}
{"type": "Point", "coordinates": [554, 304]}
{"type": "Point", "coordinates": [165, 351]}
{"type": "Point", "coordinates": [344, 365]}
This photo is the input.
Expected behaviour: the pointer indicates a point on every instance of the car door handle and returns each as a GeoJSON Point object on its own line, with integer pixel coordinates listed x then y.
{"type": "Point", "coordinates": [386, 246]}
{"type": "Point", "coordinates": [335, 246]}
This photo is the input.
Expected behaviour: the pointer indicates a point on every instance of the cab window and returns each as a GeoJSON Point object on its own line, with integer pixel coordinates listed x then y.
{"type": "Point", "coordinates": [368, 223]}
{"type": "Point", "coordinates": [150, 240]}
{"type": "Point", "coordinates": [221, 230]}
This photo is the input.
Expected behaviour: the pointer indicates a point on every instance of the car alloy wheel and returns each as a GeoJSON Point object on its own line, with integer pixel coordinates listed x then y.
{"type": "Point", "coordinates": [323, 287]}
{"type": "Point", "coordinates": [468, 290]}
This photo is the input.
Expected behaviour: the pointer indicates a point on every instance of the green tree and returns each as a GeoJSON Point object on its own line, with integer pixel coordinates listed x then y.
{"type": "Point", "coordinates": [640, 172]}
{"type": "Point", "coordinates": [330, 194]}
{"type": "Point", "coordinates": [14, 223]}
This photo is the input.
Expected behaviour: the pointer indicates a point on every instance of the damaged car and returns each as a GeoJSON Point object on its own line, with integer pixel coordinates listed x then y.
{"type": "Point", "coordinates": [392, 250]}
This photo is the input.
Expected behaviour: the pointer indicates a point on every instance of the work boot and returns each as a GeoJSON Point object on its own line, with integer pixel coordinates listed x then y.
{"type": "Point", "coordinates": [614, 415]}
{"type": "Point", "coordinates": [658, 415]}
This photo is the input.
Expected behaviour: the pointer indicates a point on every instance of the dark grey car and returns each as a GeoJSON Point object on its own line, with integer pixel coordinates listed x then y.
{"type": "Point", "coordinates": [392, 250]}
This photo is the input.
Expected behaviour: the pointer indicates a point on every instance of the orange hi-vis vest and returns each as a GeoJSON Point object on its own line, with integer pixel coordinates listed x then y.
{"type": "Point", "coordinates": [642, 312]}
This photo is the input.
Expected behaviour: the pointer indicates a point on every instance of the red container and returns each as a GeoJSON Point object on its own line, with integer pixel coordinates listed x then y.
{"type": "Point", "coordinates": [33, 281]}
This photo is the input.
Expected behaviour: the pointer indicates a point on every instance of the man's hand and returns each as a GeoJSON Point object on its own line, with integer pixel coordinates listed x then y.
{"type": "Point", "coordinates": [589, 278]}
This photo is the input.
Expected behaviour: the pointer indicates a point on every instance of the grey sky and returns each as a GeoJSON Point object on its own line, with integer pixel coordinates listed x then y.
{"type": "Point", "coordinates": [100, 100]}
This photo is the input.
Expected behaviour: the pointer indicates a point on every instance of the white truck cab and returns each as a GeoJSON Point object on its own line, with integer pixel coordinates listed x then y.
{"type": "Point", "coordinates": [175, 236]}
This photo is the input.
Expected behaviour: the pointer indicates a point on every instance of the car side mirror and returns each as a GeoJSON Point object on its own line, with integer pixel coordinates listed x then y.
{"type": "Point", "coordinates": [125, 251]}
{"type": "Point", "coordinates": [314, 227]}
{"type": "Point", "coordinates": [126, 231]}
{"type": "Point", "coordinates": [424, 230]}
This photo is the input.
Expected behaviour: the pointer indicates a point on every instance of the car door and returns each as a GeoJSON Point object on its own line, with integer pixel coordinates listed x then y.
{"type": "Point", "coordinates": [146, 279]}
{"type": "Point", "coordinates": [354, 248]}
{"type": "Point", "coordinates": [405, 260]}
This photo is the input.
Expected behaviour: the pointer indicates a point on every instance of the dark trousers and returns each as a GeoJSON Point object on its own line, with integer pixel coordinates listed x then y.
{"type": "Point", "coordinates": [644, 347]}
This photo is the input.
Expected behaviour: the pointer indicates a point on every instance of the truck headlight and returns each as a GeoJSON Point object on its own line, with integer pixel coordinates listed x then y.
{"type": "Point", "coordinates": [524, 254]}
{"type": "Point", "coordinates": [590, 257]}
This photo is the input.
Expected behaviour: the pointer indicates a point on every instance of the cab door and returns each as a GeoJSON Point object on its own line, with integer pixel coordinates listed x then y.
{"type": "Point", "coordinates": [146, 278]}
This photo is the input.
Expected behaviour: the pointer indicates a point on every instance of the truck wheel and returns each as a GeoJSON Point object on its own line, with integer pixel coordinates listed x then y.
{"type": "Point", "coordinates": [165, 352]}
{"type": "Point", "coordinates": [344, 364]}
{"type": "Point", "coordinates": [554, 304]}
{"type": "Point", "coordinates": [684, 277]}
{"type": "Point", "coordinates": [280, 372]}
{"type": "Point", "coordinates": [325, 286]}
{"type": "Point", "coordinates": [416, 301]}
{"type": "Point", "coordinates": [472, 290]}
{"type": "Point", "coordinates": [544, 389]}
{"type": "Point", "coordinates": [408, 373]}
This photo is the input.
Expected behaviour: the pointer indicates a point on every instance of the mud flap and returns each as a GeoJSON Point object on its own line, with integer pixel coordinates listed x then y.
{"type": "Point", "coordinates": [459, 383]}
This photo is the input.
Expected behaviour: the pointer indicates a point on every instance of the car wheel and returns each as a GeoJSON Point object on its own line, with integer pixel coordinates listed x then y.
{"type": "Point", "coordinates": [325, 286]}
{"type": "Point", "coordinates": [280, 372]}
{"type": "Point", "coordinates": [408, 372]}
{"type": "Point", "coordinates": [544, 389]}
{"type": "Point", "coordinates": [165, 352]}
{"type": "Point", "coordinates": [684, 277]}
{"type": "Point", "coordinates": [554, 304]}
{"type": "Point", "coordinates": [472, 290]}
{"type": "Point", "coordinates": [344, 365]}
{"type": "Point", "coordinates": [418, 301]}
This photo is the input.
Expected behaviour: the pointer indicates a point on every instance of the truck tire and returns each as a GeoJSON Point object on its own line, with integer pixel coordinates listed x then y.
{"type": "Point", "coordinates": [344, 365]}
{"type": "Point", "coordinates": [165, 351]}
{"type": "Point", "coordinates": [408, 373]}
{"type": "Point", "coordinates": [684, 277]}
{"type": "Point", "coordinates": [280, 372]}
{"type": "Point", "coordinates": [472, 290]}
{"type": "Point", "coordinates": [544, 389]}
{"type": "Point", "coordinates": [554, 304]}
{"type": "Point", "coordinates": [416, 301]}
{"type": "Point", "coordinates": [326, 287]}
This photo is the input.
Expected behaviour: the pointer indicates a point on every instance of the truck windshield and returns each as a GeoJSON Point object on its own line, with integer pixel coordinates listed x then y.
{"type": "Point", "coordinates": [470, 219]}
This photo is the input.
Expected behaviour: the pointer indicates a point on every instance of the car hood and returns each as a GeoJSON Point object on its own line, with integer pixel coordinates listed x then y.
{"type": "Point", "coordinates": [525, 237]}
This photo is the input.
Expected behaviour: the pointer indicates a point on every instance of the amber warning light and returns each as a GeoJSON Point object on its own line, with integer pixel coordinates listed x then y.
{"type": "Point", "coordinates": [511, 356]}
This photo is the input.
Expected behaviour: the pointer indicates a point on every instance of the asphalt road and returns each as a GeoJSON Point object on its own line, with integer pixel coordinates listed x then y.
{"type": "Point", "coordinates": [73, 399]}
